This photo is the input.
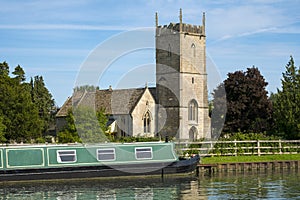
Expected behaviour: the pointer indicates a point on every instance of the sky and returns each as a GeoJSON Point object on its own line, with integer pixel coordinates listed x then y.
{"type": "Point", "coordinates": [54, 39]}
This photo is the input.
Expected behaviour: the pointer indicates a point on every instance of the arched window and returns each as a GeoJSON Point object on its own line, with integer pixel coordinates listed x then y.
{"type": "Point", "coordinates": [193, 110]}
{"type": "Point", "coordinates": [193, 134]}
{"type": "Point", "coordinates": [193, 46]}
{"type": "Point", "coordinates": [169, 50]}
{"type": "Point", "coordinates": [147, 122]}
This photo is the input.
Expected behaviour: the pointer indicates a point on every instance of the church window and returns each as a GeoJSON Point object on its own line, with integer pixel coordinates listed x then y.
{"type": "Point", "coordinates": [193, 50]}
{"type": "Point", "coordinates": [193, 134]}
{"type": "Point", "coordinates": [193, 80]}
{"type": "Point", "coordinates": [123, 133]}
{"type": "Point", "coordinates": [147, 122]}
{"type": "Point", "coordinates": [193, 111]}
{"type": "Point", "coordinates": [123, 125]}
{"type": "Point", "coordinates": [169, 50]}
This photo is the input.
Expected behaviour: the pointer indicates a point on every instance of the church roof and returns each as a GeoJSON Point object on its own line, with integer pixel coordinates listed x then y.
{"type": "Point", "coordinates": [120, 101]}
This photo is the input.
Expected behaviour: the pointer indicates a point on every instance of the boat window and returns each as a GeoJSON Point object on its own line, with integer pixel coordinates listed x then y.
{"type": "Point", "coordinates": [66, 156]}
{"type": "Point", "coordinates": [106, 154]}
{"type": "Point", "coordinates": [143, 153]}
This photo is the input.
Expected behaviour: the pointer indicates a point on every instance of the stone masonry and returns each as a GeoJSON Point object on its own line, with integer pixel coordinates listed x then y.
{"type": "Point", "coordinates": [182, 79]}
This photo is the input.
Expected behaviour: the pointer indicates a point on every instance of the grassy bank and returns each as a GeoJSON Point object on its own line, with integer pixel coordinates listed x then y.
{"type": "Point", "coordinates": [264, 158]}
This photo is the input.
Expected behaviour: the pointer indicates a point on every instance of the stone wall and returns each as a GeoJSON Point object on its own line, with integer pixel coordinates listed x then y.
{"type": "Point", "coordinates": [145, 104]}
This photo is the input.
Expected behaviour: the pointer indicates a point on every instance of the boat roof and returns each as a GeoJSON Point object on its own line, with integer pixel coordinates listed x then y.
{"type": "Point", "coordinates": [81, 144]}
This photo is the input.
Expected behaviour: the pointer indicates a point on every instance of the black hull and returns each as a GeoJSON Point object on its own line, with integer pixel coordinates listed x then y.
{"type": "Point", "coordinates": [182, 166]}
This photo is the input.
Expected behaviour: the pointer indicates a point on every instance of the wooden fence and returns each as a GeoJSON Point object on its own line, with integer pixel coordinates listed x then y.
{"type": "Point", "coordinates": [236, 148]}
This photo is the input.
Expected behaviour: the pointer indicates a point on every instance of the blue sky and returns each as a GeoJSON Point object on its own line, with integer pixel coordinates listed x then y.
{"type": "Point", "coordinates": [54, 38]}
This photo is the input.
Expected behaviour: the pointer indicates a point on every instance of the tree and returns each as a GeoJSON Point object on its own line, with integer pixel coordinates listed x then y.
{"type": "Point", "coordinates": [87, 125]}
{"type": "Point", "coordinates": [4, 70]}
{"type": "Point", "coordinates": [21, 116]}
{"type": "Point", "coordinates": [69, 133]}
{"type": "Point", "coordinates": [260, 107]}
{"type": "Point", "coordinates": [43, 100]}
{"type": "Point", "coordinates": [287, 103]}
{"type": "Point", "coordinates": [89, 88]}
{"type": "Point", "coordinates": [84, 125]}
{"type": "Point", "coordinates": [218, 110]}
{"type": "Point", "coordinates": [248, 106]}
{"type": "Point", "coordinates": [19, 73]}
{"type": "Point", "coordinates": [102, 119]}
{"type": "Point", "coordinates": [2, 130]}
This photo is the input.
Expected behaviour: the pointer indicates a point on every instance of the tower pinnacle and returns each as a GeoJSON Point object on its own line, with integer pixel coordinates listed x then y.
{"type": "Point", "coordinates": [156, 20]}
{"type": "Point", "coordinates": [180, 20]}
{"type": "Point", "coordinates": [203, 23]}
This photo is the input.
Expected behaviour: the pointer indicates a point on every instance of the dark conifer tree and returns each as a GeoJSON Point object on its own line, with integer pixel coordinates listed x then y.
{"type": "Point", "coordinates": [43, 100]}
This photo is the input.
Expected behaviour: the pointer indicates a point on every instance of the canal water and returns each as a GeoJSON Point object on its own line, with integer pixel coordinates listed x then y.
{"type": "Point", "coordinates": [250, 185]}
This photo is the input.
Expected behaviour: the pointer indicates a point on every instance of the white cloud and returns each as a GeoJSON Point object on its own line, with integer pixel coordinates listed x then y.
{"type": "Point", "coordinates": [244, 20]}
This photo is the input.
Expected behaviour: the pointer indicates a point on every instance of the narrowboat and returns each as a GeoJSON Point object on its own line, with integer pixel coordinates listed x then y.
{"type": "Point", "coordinates": [43, 162]}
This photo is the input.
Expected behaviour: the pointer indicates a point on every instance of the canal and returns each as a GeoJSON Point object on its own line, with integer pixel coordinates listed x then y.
{"type": "Point", "coordinates": [282, 184]}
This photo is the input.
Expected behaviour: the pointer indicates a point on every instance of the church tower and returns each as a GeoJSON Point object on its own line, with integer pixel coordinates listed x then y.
{"type": "Point", "coordinates": [181, 80]}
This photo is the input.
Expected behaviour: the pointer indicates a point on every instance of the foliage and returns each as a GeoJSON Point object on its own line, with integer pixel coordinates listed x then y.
{"type": "Point", "coordinates": [69, 133]}
{"type": "Point", "coordinates": [88, 126]}
{"type": "Point", "coordinates": [102, 119]}
{"type": "Point", "coordinates": [2, 130]}
{"type": "Point", "coordinates": [19, 113]}
{"type": "Point", "coordinates": [19, 73]}
{"type": "Point", "coordinates": [218, 110]}
{"type": "Point", "coordinates": [42, 99]}
{"type": "Point", "coordinates": [250, 136]}
{"type": "Point", "coordinates": [84, 125]}
{"type": "Point", "coordinates": [4, 70]}
{"type": "Point", "coordinates": [233, 159]}
{"type": "Point", "coordinates": [287, 103]}
{"type": "Point", "coordinates": [248, 106]}
{"type": "Point", "coordinates": [89, 88]}
{"type": "Point", "coordinates": [238, 148]}
{"type": "Point", "coordinates": [135, 139]}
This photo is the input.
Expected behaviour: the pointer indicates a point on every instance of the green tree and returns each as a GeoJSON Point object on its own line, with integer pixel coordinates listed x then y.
{"type": "Point", "coordinates": [43, 100]}
{"type": "Point", "coordinates": [89, 88]}
{"type": "Point", "coordinates": [218, 110]}
{"type": "Point", "coordinates": [2, 131]}
{"type": "Point", "coordinates": [286, 103]}
{"type": "Point", "coordinates": [102, 120]}
{"type": "Point", "coordinates": [69, 133]}
{"type": "Point", "coordinates": [19, 73]}
{"type": "Point", "coordinates": [25, 122]}
{"type": "Point", "coordinates": [4, 70]}
{"type": "Point", "coordinates": [84, 125]}
{"type": "Point", "coordinates": [20, 114]}
{"type": "Point", "coordinates": [88, 126]}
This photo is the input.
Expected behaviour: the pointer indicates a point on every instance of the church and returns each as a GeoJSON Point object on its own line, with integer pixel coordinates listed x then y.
{"type": "Point", "coordinates": [177, 107]}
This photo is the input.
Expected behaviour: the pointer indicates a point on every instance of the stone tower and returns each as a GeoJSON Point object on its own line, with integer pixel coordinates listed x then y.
{"type": "Point", "coordinates": [181, 80]}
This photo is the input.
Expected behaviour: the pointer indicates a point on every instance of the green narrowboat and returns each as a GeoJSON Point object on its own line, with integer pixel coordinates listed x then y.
{"type": "Point", "coordinates": [32, 162]}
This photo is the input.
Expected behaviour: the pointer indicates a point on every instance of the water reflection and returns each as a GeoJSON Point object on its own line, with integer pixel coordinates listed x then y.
{"type": "Point", "coordinates": [252, 185]}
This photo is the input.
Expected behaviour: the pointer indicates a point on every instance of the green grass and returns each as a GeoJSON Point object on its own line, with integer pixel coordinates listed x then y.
{"type": "Point", "coordinates": [264, 158]}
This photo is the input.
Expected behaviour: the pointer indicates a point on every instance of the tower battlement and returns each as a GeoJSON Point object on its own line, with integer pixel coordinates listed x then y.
{"type": "Point", "coordinates": [180, 27]}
